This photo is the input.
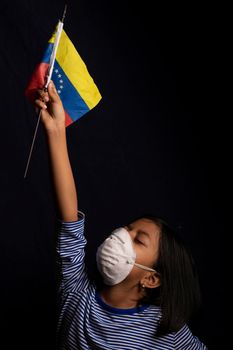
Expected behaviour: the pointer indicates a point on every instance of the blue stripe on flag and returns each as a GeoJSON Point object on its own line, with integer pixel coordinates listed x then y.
{"type": "Point", "coordinates": [47, 54]}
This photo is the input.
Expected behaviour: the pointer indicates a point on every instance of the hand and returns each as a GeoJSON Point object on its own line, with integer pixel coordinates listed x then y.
{"type": "Point", "coordinates": [52, 111]}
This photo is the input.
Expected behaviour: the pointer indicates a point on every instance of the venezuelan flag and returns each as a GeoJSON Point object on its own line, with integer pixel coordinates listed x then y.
{"type": "Point", "coordinates": [76, 88]}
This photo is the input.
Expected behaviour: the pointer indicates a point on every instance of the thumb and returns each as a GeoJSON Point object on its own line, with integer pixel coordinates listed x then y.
{"type": "Point", "coordinates": [53, 95]}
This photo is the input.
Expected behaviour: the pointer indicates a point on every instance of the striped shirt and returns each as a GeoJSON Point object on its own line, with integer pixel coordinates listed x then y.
{"type": "Point", "coordinates": [86, 322]}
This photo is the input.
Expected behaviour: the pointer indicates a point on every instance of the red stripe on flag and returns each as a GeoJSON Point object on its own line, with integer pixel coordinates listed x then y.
{"type": "Point", "coordinates": [37, 81]}
{"type": "Point", "coordinates": [68, 119]}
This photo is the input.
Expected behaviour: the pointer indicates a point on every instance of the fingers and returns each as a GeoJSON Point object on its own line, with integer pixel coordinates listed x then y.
{"type": "Point", "coordinates": [43, 95]}
{"type": "Point", "coordinates": [48, 94]}
{"type": "Point", "coordinates": [52, 92]}
{"type": "Point", "coordinates": [39, 103]}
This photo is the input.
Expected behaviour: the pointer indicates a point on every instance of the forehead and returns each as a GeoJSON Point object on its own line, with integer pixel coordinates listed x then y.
{"type": "Point", "coordinates": [147, 226]}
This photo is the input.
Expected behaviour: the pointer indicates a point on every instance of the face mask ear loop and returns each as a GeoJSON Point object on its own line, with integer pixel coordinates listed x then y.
{"type": "Point", "coordinates": [139, 265]}
{"type": "Point", "coordinates": [144, 267]}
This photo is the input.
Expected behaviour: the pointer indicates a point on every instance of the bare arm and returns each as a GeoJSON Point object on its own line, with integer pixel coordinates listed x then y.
{"type": "Point", "coordinates": [53, 118]}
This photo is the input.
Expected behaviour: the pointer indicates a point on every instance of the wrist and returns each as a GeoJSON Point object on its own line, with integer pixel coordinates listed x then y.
{"type": "Point", "coordinates": [56, 131]}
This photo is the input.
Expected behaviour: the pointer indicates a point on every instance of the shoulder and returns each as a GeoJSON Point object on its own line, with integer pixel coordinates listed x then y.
{"type": "Point", "coordinates": [184, 337]}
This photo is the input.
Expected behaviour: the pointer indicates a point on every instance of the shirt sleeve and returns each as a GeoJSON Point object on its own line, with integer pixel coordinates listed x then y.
{"type": "Point", "coordinates": [185, 340]}
{"type": "Point", "coordinates": [71, 254]}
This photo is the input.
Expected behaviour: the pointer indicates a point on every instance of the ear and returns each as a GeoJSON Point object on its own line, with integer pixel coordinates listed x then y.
{"type": "Point", "coordinates": [151, 280]}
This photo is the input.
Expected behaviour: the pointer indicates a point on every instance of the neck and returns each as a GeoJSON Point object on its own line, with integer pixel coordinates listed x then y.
{"type": "Point", "coordinates": [122, 296]}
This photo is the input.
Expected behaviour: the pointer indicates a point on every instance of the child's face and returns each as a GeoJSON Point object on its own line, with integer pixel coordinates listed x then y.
{"type": "Point", "coordinates": [145, 237]}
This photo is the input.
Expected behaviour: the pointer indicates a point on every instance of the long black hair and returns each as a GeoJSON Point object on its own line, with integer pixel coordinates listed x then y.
{"type": "Point", "coordinates": [179, 292]}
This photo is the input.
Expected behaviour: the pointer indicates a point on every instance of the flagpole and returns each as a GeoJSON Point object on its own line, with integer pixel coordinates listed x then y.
{"type": "Point", "coordinates": [33, 141]}
{"type": "Point", "coordinates": [48, 78]}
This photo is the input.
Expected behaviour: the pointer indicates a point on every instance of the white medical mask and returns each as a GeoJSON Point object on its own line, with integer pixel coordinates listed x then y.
{"type": "Point", "coordinates": [116, 257]}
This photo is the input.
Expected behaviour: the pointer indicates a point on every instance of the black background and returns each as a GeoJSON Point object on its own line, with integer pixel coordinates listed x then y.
{"type": "Point", "coordinates": [155, 143]}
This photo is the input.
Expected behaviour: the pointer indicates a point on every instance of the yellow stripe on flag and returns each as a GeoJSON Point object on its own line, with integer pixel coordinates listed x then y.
{"type": "Point", "coordinates": [76, 70]}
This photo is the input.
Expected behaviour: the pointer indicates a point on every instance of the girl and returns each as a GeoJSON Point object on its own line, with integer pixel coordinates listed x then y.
{"type": "Point", "coordinates": [149, 285]}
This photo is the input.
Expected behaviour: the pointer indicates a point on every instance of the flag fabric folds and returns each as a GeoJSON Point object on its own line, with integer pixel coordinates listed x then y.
{"type": "Point", "coordinates": [77, 90]}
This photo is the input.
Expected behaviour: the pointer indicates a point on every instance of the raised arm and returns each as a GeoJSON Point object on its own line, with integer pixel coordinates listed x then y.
{"type": "Point", "coordinates": [53, 118]}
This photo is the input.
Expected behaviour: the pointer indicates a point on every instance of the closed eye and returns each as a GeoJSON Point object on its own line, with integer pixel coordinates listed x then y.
{"type": "Point", "coordinates": [138, 241]}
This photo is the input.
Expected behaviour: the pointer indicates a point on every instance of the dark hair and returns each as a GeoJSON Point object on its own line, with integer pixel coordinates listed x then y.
{"type": "Point", "coordinates": [179, 293]}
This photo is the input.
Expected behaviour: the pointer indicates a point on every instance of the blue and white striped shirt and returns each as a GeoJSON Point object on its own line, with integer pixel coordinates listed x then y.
{"type": "Point", "coordinates": [86, 322]}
